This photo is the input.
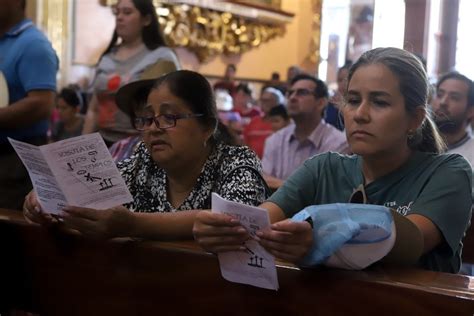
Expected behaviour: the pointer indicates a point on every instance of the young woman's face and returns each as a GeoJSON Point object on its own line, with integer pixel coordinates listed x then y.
{"type": "Point", "coordinates": [241, 100]}
{"type": "Point", "coordinates": [175, 145]}
{"type": "Point", "coordinates": [66, 112]}
{"type": "Point", "coordinates": [278, 122]}
{"type": "Point", "coordinates": [375, 117]}
{"type": "Point", "coordinates": [128, 20]}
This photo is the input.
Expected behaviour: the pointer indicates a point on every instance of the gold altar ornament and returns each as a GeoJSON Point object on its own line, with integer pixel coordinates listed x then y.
{"type": "Point", "coordinates": [315, 43]}
{"type": "Point", "coordinates": [208, 32]}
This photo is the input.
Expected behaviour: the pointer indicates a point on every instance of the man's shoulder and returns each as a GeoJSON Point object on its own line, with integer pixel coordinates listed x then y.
{"type": "Point", "coordinates": [332, 139]}
{"type": "Point", "coordinates": [333, 131]}
{"type": "Point", "coordinates": [281, 134]}
{"type": "Point", "coordinates": [469, 144]}
{"type": "Point", "coordinates": [32, 42]}
{"type": "Point", "coordinates": [33, 35]}
{"type": "Point", "coordinates": [466, 150]}
{"type": "Point", "coordinates": [276, 141]}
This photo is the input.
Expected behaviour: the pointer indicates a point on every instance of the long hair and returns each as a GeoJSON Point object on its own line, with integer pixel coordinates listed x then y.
{"type": "Point", "coordinates": [151, 34]}
{"type": "Point", "coordinates": [414, 86]}
{"type": "Point", "coordinates": [70, 96]}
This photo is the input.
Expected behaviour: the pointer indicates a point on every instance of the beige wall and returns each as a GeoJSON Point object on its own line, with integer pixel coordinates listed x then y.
{"type": "Point", "coordinates": [276, 55]}
{"type": "Point", "coordinates": [31, 10]}
{"type": "Point", "coordinates": [93, 29]}
{"type": "Point", "coordinates": [95, 24]}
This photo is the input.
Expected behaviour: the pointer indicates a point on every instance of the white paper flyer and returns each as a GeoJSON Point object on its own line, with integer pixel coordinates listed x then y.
{"type": "Point", "coordinates": [254, 266]}
{"type": "Point", "coordinates": [77, 171]}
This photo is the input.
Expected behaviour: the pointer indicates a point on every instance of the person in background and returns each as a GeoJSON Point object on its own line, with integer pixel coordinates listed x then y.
{"type": "Point", "coordinates": [278, 117]}
{"type": "Point", "coordinates": [309, 134]}
{"type": "Point", "coordinates": [29, 65]}
{"type": "Point", "coordinates": [244, 103]}
{"type": "Point", "coordinates": [275, 77]}
{"type": "Point", "coordinates": [332, 112]}
{"type": "Point", "coordinates": [229, 119]}
{"type": "Point", "coordinates": [397, 163]}
{"type": "Point", "coordinates": [275, 82]}
{"type": "Point", "coordinates": [171, 175]}
{"type": "Point", "coordinates": [71, 122]}
{"type": "Point", "coordinates": [233, 122]}
{"type": "Point", "coordinates": [137, 50]}
{"type": "Point", "coordinates": [228, 84]}
{"type": "Point", "coordinates": [360, 34]}
{"type": "Point", "coordinates": [291, 73]}
{"type": "Point", "coordinates": [259, 128]}
{"type": "Point", "coordinates": [124, 148]}
{"type": "Point", "coordinates": [453, 106]}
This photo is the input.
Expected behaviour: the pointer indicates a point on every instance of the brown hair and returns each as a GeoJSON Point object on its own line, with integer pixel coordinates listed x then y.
{"type": "Point", "coordinates": [414, 86]}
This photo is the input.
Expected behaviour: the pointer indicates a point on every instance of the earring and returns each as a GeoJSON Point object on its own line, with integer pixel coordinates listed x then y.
{"type": "Point", "coordinates": [410, 135]}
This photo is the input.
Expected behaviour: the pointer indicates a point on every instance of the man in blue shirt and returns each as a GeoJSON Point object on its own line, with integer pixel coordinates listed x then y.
{"type": "Point", "coordinates": [29, 65]}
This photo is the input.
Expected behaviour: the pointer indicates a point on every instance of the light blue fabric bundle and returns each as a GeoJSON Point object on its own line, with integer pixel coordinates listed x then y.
{"type": "Point", "coordinates": [350, 236]}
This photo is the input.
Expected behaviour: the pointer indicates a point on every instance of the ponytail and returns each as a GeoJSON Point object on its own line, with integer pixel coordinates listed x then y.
{"type": "Point", "coordinates": [427, 138]}
{"type": "Point", "coordinates": [414, 86]}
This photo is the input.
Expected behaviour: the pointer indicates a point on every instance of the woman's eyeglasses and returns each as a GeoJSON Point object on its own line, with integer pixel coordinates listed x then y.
{"type": "Point", "coordinates": [162, 121]}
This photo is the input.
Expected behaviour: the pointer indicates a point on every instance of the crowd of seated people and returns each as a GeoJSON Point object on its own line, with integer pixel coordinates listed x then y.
{"type": "Point", "coordinates": [177, 139]}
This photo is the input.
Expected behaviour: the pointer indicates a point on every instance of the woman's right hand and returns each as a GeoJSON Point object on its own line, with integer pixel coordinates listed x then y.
{"type": "Point", "coordinates": [34, 214]}
{"type": "Point", "coordinates": [219, 232]}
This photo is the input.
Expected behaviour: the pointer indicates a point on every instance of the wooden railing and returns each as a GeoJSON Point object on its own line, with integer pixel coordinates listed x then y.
{"type": "Point", "coordinates": [49, 272]}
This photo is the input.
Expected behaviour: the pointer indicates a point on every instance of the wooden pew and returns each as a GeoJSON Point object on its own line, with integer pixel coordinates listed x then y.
{"type": "Point", "coordinates": [468, 245]}
{"type": "Point", "coordinates": [52, 273]}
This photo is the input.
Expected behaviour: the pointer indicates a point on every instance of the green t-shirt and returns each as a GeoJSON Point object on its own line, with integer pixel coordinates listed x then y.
{"type": "Point", "coordinates": [435, 186]}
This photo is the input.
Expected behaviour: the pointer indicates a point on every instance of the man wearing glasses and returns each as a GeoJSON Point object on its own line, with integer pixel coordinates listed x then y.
{"type": "Point", "coordinates": [287, 149]}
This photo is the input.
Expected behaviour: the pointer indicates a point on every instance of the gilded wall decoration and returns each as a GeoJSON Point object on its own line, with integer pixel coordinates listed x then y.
{"type": "Point", "coordinates": [208, 32]}
{"type": "Point", "coordinates": [53, 20]}
{"type": "Point", "coordinates": [313, 55]}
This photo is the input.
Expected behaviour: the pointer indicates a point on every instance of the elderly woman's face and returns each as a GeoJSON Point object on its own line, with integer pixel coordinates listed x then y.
{"type": "Point", "coordinates": [176, 141]}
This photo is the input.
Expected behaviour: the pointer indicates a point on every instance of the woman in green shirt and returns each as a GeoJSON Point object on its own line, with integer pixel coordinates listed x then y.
{"type": "Point", "coordinates": [397, 160]}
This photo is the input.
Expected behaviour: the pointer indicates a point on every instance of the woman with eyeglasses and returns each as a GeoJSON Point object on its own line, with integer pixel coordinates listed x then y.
{"type": "Point", "coordinates": [397, 163]}
{"type": "Point", "coordinates": [173, 172]}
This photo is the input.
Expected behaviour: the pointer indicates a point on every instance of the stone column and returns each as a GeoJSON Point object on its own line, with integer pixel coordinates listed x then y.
{"type": "Point", "coordinates": [449, 16]}
{"type": "Point", "coordinates": [416, 26]}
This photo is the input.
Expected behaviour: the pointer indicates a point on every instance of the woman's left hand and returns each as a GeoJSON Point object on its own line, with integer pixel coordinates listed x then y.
{"type": "Point", "coordinates": [287, 240]}
{"type": "Point", "coordinates": [102, 224]}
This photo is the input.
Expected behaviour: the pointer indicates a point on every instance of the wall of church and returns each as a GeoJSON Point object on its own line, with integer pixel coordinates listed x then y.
{"type": "Point", "coordinates": [275, 55]}
{"type": "Point", "coordinates": [94, 25]}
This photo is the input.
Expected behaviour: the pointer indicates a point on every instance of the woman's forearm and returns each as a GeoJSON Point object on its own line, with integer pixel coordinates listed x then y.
{"type": "Point", "coordinates": [90, 117]}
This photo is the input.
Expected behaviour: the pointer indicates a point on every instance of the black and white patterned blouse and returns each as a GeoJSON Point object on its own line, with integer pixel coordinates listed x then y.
{"type": "Point", "coordinates": [230, 171]}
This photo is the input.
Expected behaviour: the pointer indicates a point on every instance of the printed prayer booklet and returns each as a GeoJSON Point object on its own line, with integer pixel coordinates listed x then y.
{"type": "Point", "coordinates": [77, 171]}
{"type": "Point", "coordinates": [254, 265]}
